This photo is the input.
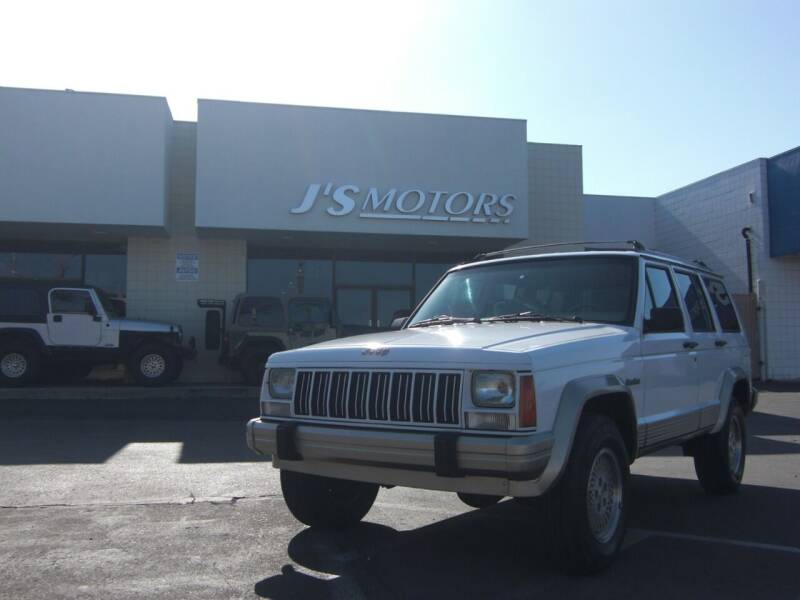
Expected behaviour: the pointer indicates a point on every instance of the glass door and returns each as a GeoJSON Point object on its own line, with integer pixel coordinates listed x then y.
{"type": "Point", "coordinates": [368, 309]}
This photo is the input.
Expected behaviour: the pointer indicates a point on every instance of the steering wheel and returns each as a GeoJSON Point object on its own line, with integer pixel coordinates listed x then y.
{"type": "Point", "coordinates": [504, 307]}
{"type": "Point", "coordinates": [579, 308]}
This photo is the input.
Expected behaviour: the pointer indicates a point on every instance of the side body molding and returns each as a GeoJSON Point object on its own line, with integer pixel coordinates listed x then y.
{"type": "Point", "coordinates": [729, 379]}
{"type": "Point", "coordinates": [574, 397]}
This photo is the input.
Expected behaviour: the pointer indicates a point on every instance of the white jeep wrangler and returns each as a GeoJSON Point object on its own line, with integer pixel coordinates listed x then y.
{"type": "Point", "coordinates": [523, 376]}
{"type": "Point", "coordinates": [49, 330]}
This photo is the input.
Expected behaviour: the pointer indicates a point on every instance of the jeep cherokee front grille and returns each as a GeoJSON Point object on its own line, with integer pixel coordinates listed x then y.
{"type": "Point", "coordinates": [426, 397]}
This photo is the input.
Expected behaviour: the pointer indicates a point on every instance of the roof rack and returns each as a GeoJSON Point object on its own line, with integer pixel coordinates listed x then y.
{"type": "Point", "coordinates": [627, 245]}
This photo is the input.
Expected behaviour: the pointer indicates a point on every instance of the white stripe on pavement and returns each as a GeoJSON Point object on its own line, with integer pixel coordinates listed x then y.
{"type": "Point", "coordinates": [712, 540]}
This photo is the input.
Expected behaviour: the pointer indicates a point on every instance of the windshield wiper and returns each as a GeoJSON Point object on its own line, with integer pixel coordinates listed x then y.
{"type": "Point", "coordinates": [445, 320]}
{"type": "Point", "coordinates": [532, 316]}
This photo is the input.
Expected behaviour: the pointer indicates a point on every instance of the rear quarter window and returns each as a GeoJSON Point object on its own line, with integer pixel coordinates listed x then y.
{"type": "Point", "coordinates": [20, 304]}
{"type": "Point", "coordinates": [723, 305]}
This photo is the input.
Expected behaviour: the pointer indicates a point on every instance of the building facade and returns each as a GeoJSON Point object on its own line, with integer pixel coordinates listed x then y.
{"type": "Point", "coordinates": [363, 208]}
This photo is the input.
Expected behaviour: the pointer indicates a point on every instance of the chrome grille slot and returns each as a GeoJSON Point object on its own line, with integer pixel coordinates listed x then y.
{"type": "Point", "coordinates": [447, 395]}
{"type": "Point", "coordinates": [424, 387]}
{"type": "Point", "coordinates": [319, 394]}
{"type": "Point", "coordinates": [410, 397]}
{"type": "Point", "coordinates": [338, 398]}
{"type": "Point", "coordinates": [357, 397]}
{"type": "Point", "coordinates": [400, 405]}
{"type": "Point", "coordinates": [302, 392]}
{"type": "Point", "coordinates": [379, 396]}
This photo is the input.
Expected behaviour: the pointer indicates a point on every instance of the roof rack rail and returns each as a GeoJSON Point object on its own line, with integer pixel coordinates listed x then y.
{"type": "Point", "coordinates": [697, 261]}
{"type": "Point", "coordinates": [629, 245]}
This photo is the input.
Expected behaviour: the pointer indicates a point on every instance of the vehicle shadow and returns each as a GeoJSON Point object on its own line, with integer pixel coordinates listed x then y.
{"type": "Point", "coordinates": [94, 441]}
{"type": "Point", "coordinates": [502, 552]}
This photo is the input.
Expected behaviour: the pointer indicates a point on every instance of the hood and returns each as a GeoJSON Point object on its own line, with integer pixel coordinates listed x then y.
{"type": "Point", "coordinates": [145, 326]}
{"type": "Point", "coordinates": [467, 343]}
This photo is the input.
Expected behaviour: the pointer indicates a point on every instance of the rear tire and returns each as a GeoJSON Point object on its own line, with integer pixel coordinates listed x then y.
{"type": "Point", "coordinates": [587, 510]}
{"type": "Point", "coordinates": [324, 502]}
{"type": "Point", "coordinates": [153, 364]}
{"type": "Point", "coordinates": [719, 459]}
{"type": "Point", "coordinates": [19, 363]}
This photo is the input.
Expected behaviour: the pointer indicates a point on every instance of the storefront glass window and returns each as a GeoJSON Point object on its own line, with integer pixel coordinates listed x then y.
{"type": "Point", "coordinates": [426, 275]}
{"type": "Point", "coordinates": [41, 265]}
{"type": "Point", "coordinates": [288, 277]}
{"type": "Point", "coordinates": [352, 272]}
{"type": "Point", "coordinates": [108, 272]}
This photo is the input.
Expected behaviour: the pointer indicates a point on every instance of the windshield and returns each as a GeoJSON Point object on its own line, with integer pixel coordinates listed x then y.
{"type": "Point", "coordinates": [261, 312]}
{"type": "Point", "coordinates": [588, 288]}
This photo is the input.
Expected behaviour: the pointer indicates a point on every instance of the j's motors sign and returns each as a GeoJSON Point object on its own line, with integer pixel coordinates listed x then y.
{"type": "Point", "coordinates": [271, 168]}
{"type": "Point", "coordinates": [413, 204]}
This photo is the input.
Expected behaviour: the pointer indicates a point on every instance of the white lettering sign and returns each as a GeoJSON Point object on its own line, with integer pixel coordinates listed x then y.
{"type": "Point", "coordinates": [409, 204]}
{"type": "Point", "coordinates": [187, 266]}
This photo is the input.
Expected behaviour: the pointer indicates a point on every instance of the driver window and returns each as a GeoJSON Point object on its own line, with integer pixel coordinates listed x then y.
{"type": "Point", "coordinates": [72, 302]}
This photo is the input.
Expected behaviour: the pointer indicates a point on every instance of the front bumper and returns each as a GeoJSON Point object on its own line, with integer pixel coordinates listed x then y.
{"type": "Point", "coordinates": [452, 461]}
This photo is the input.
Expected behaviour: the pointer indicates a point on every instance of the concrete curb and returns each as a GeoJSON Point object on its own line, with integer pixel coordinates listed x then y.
{"type": "Point", "coordinates": [173, 402]}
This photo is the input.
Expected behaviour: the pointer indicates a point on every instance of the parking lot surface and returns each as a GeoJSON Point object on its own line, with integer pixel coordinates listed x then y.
{"type": "Point", "coordinates": [181, 509]}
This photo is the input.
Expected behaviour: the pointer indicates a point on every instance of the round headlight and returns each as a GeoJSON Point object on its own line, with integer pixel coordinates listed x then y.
{"type": "Point", "coordinates": [493, 388]}
{"type": "Point", "coordinates": [281, 383]}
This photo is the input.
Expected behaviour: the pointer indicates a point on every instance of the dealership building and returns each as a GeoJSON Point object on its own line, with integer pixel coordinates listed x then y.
{"type": "Point", "coordinates": [363, 208]}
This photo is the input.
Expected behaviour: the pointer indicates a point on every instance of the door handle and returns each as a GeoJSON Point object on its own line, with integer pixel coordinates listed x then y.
{"type": "Point", "coordinates": [57, 318]}
{"type": "Point", "coordinates": [721, 343]}
{"type": "Point", "coordinates": [690, 345]}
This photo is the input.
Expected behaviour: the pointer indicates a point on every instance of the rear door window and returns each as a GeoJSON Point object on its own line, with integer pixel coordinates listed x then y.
{"type": "Point", "coordinates": [695, 301]}
{"type": "Point", "coordinates": [723, 305]}
{"type": "Point", "coordinates": [17, 304]}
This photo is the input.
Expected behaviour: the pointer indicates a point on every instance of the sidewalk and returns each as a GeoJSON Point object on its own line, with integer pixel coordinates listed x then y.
{"type": "Point", "coordinates": [188, 401]}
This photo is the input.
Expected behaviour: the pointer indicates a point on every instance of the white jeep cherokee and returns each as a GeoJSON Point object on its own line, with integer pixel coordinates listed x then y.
{"type": "Point", "coordinates": [523, 376]}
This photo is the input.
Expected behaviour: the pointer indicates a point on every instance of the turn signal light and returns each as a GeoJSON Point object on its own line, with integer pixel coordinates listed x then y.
{"type": "Point", "coordinates": [527, 402]}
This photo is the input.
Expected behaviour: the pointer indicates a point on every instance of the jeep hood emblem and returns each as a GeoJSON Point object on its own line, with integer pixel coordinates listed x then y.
{"type": "Point", "coordinates": [380, 351]}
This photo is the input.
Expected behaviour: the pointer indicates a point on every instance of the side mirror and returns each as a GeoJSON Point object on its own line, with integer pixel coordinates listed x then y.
{"type": "Point", "coordinates": [398, 322]}
{"type": "Point", "coordinates": [664, 320]}
{"type": "Point", "coordinates": [213, 329]}
{"type": "Point", "coordinates": [401, 312]}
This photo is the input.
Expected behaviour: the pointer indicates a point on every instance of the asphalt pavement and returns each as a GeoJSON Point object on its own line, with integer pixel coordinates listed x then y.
{"type": "Point", "coordinates": [136, 508]}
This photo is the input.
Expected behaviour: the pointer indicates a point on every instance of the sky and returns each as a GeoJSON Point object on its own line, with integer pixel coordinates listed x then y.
{"type": "Point", "coordinates": [658, 93]}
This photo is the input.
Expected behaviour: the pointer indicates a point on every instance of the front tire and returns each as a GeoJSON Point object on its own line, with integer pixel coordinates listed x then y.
{"type": "Point", "coordinates": [324, 502]}
{"type": "Point", "coordinates": [588, 508]}
{"type": "Point", "coordinates": [19, 363]}
{"type": "Point", "coordinates": [719, 459]}
{"type": "Point", "coordinates": [153, 364]}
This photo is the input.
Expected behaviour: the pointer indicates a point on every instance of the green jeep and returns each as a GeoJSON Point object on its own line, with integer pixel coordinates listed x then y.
{"type": "Point", "coordinates": [259, 327]}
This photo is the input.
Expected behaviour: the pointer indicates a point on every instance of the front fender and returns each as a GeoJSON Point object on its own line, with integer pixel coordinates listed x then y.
{"type": "Point", "coordinates": [573, 399]}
